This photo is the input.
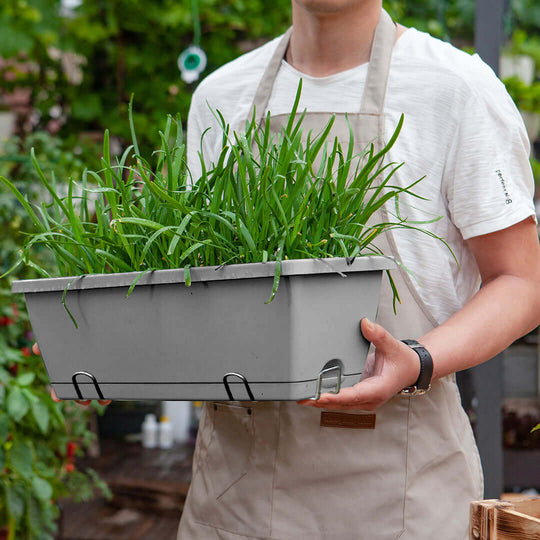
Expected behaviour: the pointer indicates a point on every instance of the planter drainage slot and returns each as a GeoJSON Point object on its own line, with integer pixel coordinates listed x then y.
{"type": "Point", "coordinates": [334, 369]}
{"type": "Point", "coordinates": [94, 381]}
{"type": "Point", "coordinates": [243, 379]}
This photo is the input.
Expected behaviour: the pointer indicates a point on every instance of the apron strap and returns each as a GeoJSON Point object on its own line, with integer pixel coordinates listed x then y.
{"type": "Point", "coordinates": [379, 65]}
{"type": "Point", "coordinates": [264, 90]}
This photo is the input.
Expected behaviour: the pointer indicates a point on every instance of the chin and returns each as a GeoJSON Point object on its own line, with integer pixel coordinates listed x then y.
{"type": "Point", "coordinates": [332, 6]}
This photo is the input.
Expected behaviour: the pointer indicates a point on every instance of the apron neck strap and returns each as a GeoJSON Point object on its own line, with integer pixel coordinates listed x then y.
{"type": "Point", "coordinates": [379, 66]}
{"type": "Point", "coordinates": [264, 90]}
{"type": "Point", "coordinates": [377, 77]}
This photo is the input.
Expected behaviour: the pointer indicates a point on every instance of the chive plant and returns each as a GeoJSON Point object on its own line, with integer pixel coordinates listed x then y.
{"type": "Point", "coordinates": [266, 198]}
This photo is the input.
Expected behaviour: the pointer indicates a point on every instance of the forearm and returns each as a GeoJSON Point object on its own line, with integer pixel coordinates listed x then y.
{"type": "Point", "coordinates": [503, 310]}
{"type": "Point", "coordinates": [506, 307]}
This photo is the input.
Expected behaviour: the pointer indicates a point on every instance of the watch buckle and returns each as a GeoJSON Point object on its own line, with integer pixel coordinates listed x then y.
{"type": "Point", "coordinates": [412, 391]}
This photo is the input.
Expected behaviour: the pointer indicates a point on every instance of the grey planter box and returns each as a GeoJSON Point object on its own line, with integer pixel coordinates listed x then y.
{"type": "Point", "coordinates": [215, 340]}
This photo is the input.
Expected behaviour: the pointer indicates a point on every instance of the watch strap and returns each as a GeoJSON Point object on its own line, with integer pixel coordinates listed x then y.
{"type": "Point", "coordinates": [423, 383]}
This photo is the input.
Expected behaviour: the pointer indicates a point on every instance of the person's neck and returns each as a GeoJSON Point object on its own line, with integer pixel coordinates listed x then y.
{"type": "Point", "coordinates": [326, 43]}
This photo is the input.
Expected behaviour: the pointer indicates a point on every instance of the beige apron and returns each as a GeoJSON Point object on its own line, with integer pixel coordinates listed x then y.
{"type": "Point", "coordinates": [269, 470]}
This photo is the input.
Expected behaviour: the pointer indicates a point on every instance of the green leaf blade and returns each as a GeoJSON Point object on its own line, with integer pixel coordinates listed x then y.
{"type": "Point", "coordinates": [17, 404]}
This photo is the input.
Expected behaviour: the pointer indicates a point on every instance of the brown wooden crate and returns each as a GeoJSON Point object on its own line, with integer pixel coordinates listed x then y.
{"type": "Point", "coordinates": [505, 520]}
{"type": "Point", "coordinates": [512, 525]}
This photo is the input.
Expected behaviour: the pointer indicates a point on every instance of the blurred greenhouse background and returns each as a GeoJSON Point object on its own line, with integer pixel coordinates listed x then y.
{"type": "Point", "coordinates": [68, 69]}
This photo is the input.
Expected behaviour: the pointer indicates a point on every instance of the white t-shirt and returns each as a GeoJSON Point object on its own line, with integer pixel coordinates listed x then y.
{"type": "Point", "coordinates": [461, 130]}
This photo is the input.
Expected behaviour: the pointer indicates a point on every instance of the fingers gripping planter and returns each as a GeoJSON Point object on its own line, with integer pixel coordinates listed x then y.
{"type": "Point", "coordinates": [218, 339]}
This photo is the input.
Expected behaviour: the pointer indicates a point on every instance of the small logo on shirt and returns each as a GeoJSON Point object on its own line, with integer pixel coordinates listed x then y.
{"type": "Point", "coordinates": [503, 185]}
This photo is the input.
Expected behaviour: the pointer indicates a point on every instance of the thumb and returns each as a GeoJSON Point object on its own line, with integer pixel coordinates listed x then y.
{"type": "Point", "coordinates": [382, 340]}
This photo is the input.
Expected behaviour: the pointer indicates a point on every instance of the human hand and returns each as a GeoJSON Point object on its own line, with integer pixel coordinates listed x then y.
{"type": "Point", "coordinates": [393, 367]}
{"type": "Point", "coordinates": [85, 402]}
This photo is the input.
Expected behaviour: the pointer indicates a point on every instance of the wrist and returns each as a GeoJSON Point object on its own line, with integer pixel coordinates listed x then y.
{"type": "Point", "coordinates": [422, 384]}
{"type": "Point", "coordinates": [411, 367]}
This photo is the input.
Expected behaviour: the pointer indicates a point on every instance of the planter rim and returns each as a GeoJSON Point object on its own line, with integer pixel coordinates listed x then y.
{"type": "Point", "coordinates": [294, 267]}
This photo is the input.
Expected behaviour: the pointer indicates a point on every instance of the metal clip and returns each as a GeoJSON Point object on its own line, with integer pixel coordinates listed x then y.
{"type": "Point", "coordinates": [320, 380]}
{"type": "Point", "coordinates": [413, 391]}
{"type": "Point", "coordinates": [76, 384]}
{"type": "Point", "coordinates": [243, 379]}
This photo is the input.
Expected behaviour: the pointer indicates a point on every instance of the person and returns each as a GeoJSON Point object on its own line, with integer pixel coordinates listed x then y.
{"type": "Point", "coordinates": [287, 470]}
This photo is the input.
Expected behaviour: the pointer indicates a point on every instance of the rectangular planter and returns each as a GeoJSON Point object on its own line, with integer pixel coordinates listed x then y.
{"type": "Point", "coordinates": [217, 339]}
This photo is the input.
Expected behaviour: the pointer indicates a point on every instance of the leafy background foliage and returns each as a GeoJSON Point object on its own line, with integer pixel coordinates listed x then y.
{"type": "Point", "coordinates": [39, 438]}
{"type": "Point", "coordinates": [79, 70]}
{"type": "Point", "coordinates": [132, 46]}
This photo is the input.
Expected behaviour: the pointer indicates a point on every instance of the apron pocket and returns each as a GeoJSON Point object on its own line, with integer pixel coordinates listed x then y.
{"type": "Point", "coordinates": [339, 483]}
{"type": "Point", "coordinates": [229, 450]}
{"type": "Point", "coordinates": [232, 490]}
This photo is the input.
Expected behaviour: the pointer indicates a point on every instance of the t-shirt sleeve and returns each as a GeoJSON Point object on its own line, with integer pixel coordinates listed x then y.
{"type": "Point", "coordinates": [489, 182]}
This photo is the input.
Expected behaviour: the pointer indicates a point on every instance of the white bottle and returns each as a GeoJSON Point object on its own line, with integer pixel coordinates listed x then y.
{"type": "Point", "coordinates": [179, 413]}
{"type": "Point", "coordinates": [150, 431]}
{"type": "Point", "coordinates": [166, 438]}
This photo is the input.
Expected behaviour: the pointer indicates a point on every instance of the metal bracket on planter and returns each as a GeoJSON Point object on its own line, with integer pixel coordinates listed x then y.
{"type": "Point", "coordinates": [243, 379]}
{"type": "Point", "coordinates": [337, 388]}
{"type": "Point", "coordinates": [93, 379]}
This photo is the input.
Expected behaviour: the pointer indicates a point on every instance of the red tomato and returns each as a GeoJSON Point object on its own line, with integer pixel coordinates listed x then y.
{"type": "Point", "coordinates": [71, 448]}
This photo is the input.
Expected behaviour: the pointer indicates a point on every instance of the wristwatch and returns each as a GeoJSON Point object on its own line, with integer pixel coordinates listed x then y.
{"type": "Point", "coordinates": [422, 384]}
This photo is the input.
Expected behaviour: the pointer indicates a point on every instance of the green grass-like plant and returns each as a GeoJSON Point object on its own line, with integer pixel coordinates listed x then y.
{"type": "Point", "coordinates": [263, 199]}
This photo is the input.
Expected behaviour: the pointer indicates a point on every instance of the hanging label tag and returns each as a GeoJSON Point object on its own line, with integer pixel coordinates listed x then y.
{"type": "Point", "coordinates": [347, 420]}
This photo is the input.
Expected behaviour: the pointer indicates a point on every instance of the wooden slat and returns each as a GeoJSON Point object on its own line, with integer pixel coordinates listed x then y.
{"type": "Point", "coordinates": [512, 525]}
{"type": "Point", "coordinates": [481, 519]}
{"type": "Point", "coordinates": [531, 507]}
{"type": "Point", "coordinates": [505, 520]}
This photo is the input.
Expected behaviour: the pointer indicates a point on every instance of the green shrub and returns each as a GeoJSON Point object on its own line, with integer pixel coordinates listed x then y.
{"type": "Point", "coordinates": [39, 438]}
